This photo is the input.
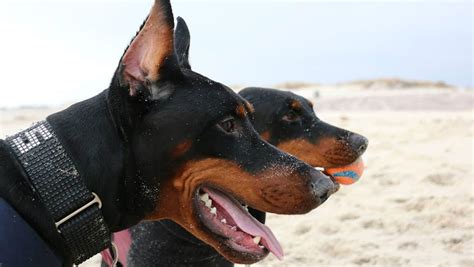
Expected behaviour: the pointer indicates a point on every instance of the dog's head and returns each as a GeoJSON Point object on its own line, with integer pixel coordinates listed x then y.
{"type": "Point", "coordinates": [196, 157]}
{"type": "Point", "coordinates": [289, 122]}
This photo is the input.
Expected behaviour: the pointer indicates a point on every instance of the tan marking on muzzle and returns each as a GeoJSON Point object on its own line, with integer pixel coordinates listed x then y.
{"type": "Point", "coordinates": [277, 189]}
{"type": "Point", "coordinates": [327, 152]}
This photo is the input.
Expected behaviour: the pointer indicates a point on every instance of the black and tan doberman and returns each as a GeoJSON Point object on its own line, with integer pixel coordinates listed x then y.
{"type": "Point", "coordinates": [156, 143]}
{"type": "Point", "coordinates": [282, 118]}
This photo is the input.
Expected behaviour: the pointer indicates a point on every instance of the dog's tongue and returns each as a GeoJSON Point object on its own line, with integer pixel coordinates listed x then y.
{"type": "Point", "coordinates": [246, 222]}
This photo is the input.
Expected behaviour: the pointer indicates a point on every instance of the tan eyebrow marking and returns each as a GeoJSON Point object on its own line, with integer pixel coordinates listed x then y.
{"type": "Point", "coordinates": [181, 148]}
{"type": "Point", "coordinates": [241, 111]}
{"type": "Point", "coordinates": [296, 105]}
{"type": "Point", "coordinates": [265, 135]}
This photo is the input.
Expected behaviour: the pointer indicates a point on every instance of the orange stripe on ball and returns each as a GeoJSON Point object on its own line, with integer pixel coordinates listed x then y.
{"type": "Point", "coordinates": [345, 180]}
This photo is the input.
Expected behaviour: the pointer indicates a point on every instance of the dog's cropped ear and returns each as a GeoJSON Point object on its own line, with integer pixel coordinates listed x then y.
{"type": "Point", "coordinates": [182, 40]}
{"type": "Point", "coordinates": [150, 59]}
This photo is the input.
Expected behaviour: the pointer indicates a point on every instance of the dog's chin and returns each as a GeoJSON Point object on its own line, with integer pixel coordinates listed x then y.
{"type": "Point", "coordinates": [237, 254]}
{"type": "Point", "coordinates": [232, 230]}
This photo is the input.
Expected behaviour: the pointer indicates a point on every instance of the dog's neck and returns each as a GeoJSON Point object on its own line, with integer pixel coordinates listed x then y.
{"type": "Point", "coordinates": [95, 134]}
{"type": "Point", "coordinates": [98, 147]}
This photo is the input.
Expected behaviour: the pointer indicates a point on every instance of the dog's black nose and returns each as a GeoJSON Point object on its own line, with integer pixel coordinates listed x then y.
{"type": "Point", "coordinates": [322, 186]}
{"type": "Point", "coordinates": [358, 143]}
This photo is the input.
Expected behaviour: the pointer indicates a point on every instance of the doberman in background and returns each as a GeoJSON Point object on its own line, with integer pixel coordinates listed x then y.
{"type": "Point", "coordinates": [282, 118]}
{"type": "Point", "coordinates": [158, 140]}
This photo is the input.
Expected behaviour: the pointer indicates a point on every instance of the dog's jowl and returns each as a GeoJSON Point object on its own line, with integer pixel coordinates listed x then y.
{"type": "Point", "coordinates": [154, 144]}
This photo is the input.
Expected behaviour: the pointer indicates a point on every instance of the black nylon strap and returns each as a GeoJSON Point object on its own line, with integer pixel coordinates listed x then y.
{"type": "Point", "coordinates": [55, 179]}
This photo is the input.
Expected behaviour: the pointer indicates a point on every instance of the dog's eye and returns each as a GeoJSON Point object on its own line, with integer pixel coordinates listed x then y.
{"type": "Point", "coordinates": [228, 125]}
{"type": "Point", "coordinates": [291, 116]}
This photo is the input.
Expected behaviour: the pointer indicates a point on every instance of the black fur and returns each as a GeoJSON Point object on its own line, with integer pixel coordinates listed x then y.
{"type": "Point", "coordinates": [182, 43]}
{"type": "Point", "coordinates": [306, 124]}
{"type": "Point", "coordinates": [121, 144]}
{"type": "Point", "coordinates": [165, 243]}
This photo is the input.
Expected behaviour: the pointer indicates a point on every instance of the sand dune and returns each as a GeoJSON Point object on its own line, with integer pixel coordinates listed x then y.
{"type": "Point", "coordinates": [415, 204]}
{"type": "Point", "coordinates": [380, 83]}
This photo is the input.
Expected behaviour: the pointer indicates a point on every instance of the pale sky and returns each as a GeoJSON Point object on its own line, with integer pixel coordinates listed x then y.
{"type": "Point", "coordinates": [57, 51]}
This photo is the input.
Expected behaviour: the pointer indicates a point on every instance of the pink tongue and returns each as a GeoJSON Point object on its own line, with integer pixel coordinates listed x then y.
{"type": "Point", "coordinates": [246, 222]}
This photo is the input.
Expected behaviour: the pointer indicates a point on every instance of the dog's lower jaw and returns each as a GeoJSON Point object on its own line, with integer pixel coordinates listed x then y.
{"type": "Point", "coordinates": [234, 243]}
{"type": "Point", "coordinates": [194, 222]}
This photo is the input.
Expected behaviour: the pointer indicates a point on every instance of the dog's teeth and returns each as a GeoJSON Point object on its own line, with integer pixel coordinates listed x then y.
{"type": "Point", "coordinates": [204, 197]}
{"type": "Point", "coordinates": [209, 203]}
{"type": "Point", "coordinates": [246, 207]}
{"type": "Point", "coordinates": [256, 239]}
{"type": "Point", "coordinates": [223, 221]}
{"type": "Point", "coordinates": [214, 210]}
{"type": "Point", "coordinates": [234, 228]}
{"type": "Point", "coordinates": [260, 246]}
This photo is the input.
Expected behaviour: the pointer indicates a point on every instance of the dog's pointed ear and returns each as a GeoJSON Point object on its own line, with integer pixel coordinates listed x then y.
{"type": "Point", "coordinates": [150, 57]}
{"type": "Point", "coordinates": [182, 40]}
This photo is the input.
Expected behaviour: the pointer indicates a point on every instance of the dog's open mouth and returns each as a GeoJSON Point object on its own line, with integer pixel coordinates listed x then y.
{"type": "Point", "coordinates": [346, 174]}
{"type": "Point", "coordinates": [225, 217]}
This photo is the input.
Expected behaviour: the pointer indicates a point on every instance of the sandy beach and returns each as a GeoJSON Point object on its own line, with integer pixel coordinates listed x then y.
{"type": "Point", "coordinates": [414, 206]}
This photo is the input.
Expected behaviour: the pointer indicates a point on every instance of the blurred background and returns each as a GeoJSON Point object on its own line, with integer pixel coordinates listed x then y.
{"type": "Point", "coordinates": [398, 72]}
{"type": "Point", "coordinates": [56, 44]}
